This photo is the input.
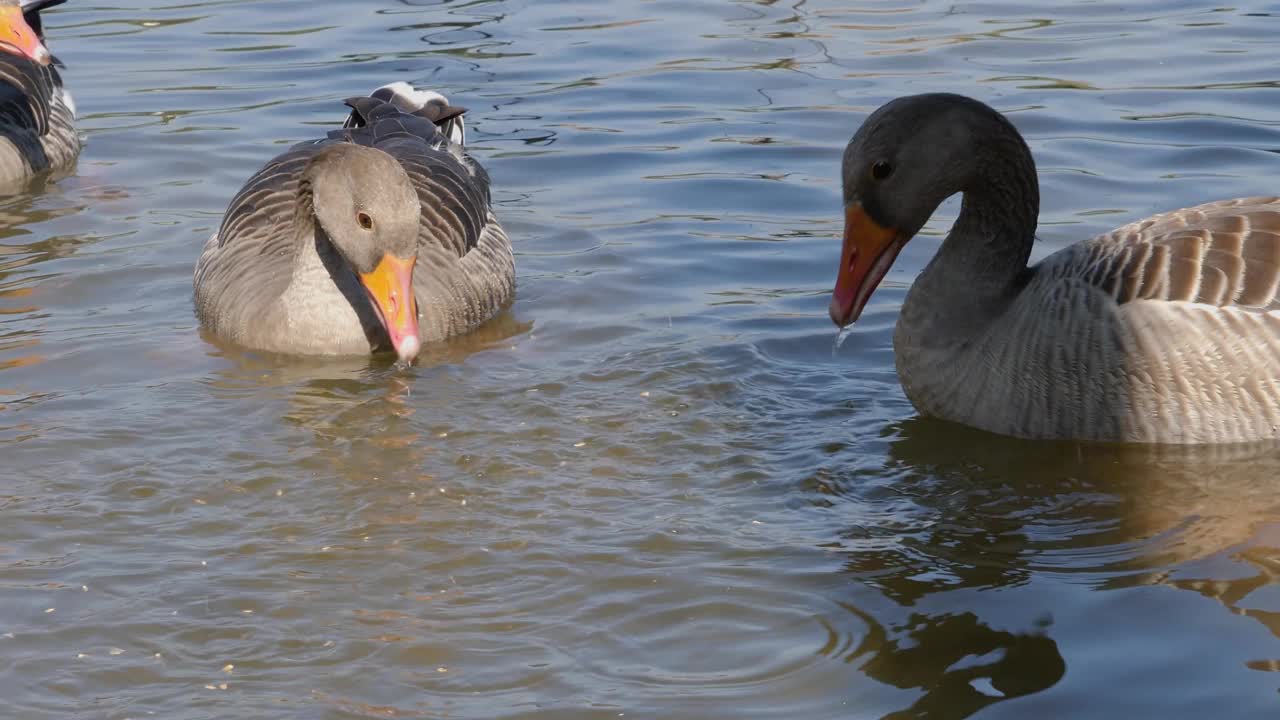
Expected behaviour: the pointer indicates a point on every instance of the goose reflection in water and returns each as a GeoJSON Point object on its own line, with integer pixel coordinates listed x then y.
{"type": "Point", "coordinates": [325, 388]}
{"type": "Point", "coordinates": [24, 292]}
{"type": "Point", "coordinates": [975, 517]}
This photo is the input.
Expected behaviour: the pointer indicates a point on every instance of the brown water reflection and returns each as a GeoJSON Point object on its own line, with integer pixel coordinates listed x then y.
{"type": "Point", "coordinates": [22, 294]}
{"type": "Point", "coordinates": [982, 512]}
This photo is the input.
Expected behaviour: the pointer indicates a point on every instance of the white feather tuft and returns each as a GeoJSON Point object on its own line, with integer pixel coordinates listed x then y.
{"type": "Point", "coordinates": [69, 101]}
{"type": "Point", "coordinates": [457, 131]}
{"type": "Point", "coordinates": [408, 98]}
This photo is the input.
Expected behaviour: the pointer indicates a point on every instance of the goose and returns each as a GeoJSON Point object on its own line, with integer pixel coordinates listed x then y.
{"type": "Point", "coordinates": [379, 236]}
{"type": "Point", "coordinates": [37, 114]}
{"type": "Point", "coordinates": [1165, 330]}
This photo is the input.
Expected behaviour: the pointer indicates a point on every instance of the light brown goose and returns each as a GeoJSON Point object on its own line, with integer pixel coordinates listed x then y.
{"type": "Point", "coordinates": [379, 237]}
{"type": "Point", "coordinates": [1165, 330]}
{"type": "Point", "coordinates": [37, 115]}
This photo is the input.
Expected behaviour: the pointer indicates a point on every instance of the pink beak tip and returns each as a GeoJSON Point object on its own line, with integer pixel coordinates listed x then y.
{"type": "Point", "coordinates": [407, 348]}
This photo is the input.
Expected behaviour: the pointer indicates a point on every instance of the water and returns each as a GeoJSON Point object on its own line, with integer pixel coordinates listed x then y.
{"type": "Point", "coordinates": [650, 490]}
{"type": "Point", "coordinates": [842, 336]}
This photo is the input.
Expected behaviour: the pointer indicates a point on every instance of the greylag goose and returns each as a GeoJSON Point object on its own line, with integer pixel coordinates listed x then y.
{"type": "Point", "coordinates": [37, 115]}
{"type": "Point", "coordinates": [378, 237]}
{"type": "Point", "coordinates": [1166, 330]}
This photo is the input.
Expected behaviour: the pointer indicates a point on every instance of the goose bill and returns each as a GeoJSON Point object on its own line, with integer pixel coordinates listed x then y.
{"type": "Point", "coordinates": [17, 37]}
{"type": "Point", "coordinates": [868, 253]}
{"type": "Point", "coordinates": [390, 287]}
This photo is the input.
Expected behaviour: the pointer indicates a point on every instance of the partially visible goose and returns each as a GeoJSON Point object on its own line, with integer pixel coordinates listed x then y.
{"type": "Point", "coordinates": [37, 115]}
{"type": "Point", "coordinates": [379, 237]}
{"type": "Point", "coordinates": [1165, 330]}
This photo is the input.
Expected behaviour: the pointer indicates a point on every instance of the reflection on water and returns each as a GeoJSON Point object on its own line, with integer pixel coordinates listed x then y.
{"type": "Point", "coordinates": [21, 292]}
{"type": "Point", "coordinates": [651, 489]}
{"type": "Point", "coordinates": [962, 665]}
{"type": "Point", "coordinates": [973, 511]}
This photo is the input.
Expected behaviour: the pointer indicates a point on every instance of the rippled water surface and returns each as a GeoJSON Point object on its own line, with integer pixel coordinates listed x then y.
{"type": "Point", "coordinates": [651, 489]}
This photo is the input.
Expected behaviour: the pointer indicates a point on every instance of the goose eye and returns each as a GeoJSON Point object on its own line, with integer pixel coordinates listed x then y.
{"type": "Point", "coordinates": [365, 221]}
{"type": "Point", "coordinates": [881, 170]}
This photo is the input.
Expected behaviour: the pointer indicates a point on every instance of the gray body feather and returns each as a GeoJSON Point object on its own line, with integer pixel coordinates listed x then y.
{"type": "Point", "coordinates": [1164, 330]}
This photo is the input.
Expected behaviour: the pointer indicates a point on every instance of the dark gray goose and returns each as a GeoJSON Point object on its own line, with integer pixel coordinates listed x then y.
{"type": "Point", "coordinates": [1166, 330]}
{"type": "Point", "coordinates": [37, 115]}
{"type": "Point", "coordinates": [380, 236]}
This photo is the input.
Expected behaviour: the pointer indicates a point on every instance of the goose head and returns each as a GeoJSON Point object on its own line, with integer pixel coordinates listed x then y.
{"type": "Point", "coordinates": [367, 207]}
{"type": "Point", "coordinates": [17, 37]}
{"type": "Point", "coordinates": [907, 157]}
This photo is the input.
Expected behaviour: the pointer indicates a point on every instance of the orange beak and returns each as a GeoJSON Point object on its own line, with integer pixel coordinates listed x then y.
{"type": "Point", "coordinates": [869, 252]}
{"type": "Point", "coordinates": [390, 286]}
{"type": "Point", "coordinates": [17, 37]}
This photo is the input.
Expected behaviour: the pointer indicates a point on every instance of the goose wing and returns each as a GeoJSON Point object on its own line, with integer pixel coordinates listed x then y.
{"type": "Point", "coordinates": [248, 262]}
{"type": "Point", "coordinates": [27, 93]}
{"type": "Point", "coordinates": [1223, 254]}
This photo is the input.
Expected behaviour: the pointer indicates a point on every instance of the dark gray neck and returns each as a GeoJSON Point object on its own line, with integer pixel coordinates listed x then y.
{"type": "Point", "coordinates": [982, 263]}
{"type": "Point", "coordinates": [991, 239]}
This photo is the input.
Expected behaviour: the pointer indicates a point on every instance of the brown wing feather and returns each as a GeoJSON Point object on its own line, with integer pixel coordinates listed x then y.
{"type": "Point", "coordinates": [1224, 253]}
